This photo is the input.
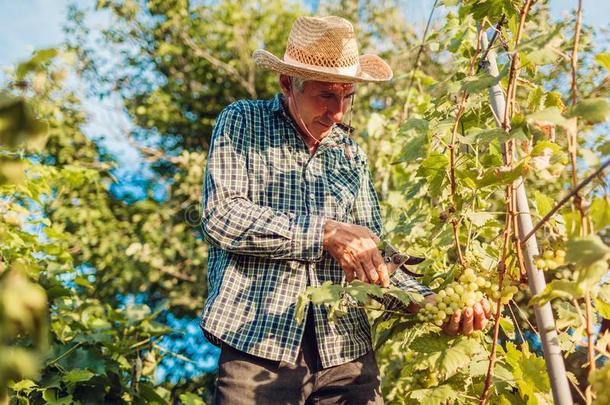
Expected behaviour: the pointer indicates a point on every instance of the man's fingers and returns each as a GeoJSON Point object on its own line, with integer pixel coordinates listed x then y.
{"type": "Point", "coordinates": [361, 274]}
{"type": "Point", "coordinates": [381, 269]}
{"type": "Point", "coordinates": [384, 276]}
{"type": "Point", "coordinates": [374, 237]}
{"type": "Point", "coordinates": [452, 327]}
{"type": "Point", "coordinates": [467, 324]}
{"type": "Point", "coordinates": [480, 321]}
{"type": "Point", "coordinates": [486, 308]}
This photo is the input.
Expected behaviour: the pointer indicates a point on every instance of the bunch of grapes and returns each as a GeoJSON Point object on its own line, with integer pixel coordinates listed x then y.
{"type": "Point", "coordinates": [551, 260]}
{"type": "Point", "coordinates": [600, 382]}
{"type": "Point", "coordinates": [463, 293]}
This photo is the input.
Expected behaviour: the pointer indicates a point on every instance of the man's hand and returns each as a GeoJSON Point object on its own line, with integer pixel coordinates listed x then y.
{"type": "Point", "coordinates": [468, 320]}
{"type": "Point", "coordinates": [462, 321]}
{"type": "Point", "coordinates": [355, 248]}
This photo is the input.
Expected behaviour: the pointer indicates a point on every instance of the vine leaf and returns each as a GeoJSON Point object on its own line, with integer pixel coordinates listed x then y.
{"type": "Point", "coordinates": [446, 354]}
{"type": "Point", "coordinates": [529, 372]}
{"type": "Point", "coordinates": [544, 204]}
{"type": "Point", "coordinates": [77, 375]}
{"type": "Point", "coordinates": [592, 110]}
{"type": "Point", "coordinates": [435, 396]}
{"type": "Point", "coordinates": [604, 60]}
{"type": "Point", "coordinates": [483, 81]}
{"type": "Point", "coordinates": [584, 251]}
{"type": "Point", "coordinates": [557, 289]}
{"type": "Point", "coordinates": [550, 116]}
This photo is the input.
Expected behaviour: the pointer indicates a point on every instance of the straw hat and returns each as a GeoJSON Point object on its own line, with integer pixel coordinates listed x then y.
{"type": "Point", "coordinates": [325, 49]}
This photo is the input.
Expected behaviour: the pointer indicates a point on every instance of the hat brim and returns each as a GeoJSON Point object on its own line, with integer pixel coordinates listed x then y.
{"type": "Point", "coordinates": [372, 69]}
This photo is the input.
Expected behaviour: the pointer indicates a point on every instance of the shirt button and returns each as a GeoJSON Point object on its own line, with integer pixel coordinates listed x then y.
{"type": "Point", "coordinates": [312, 196]}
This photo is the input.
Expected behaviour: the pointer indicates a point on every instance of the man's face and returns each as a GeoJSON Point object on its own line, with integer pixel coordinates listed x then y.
{"type": "Point", "coordinates": [322, 104]}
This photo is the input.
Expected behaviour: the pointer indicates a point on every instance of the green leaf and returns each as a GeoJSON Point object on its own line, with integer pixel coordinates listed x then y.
{"type": "Point", "coordinates": [362, 291]}
{"type": "Point", "coordinates": [497, 176]}
{"type": "Point", "coordinates": [592, 110]}
{"type": "Point", "coordinates": [564, 289]}
{"type": "Point", "coordinates": [479, 218]}
{"type": "Point", "coordinates": [83, 282]}
{"type": "Point", "coordinates": [591, 275]}
{"type": "Point", "coordinates": [433, 168]}
{"type": "Point", "coordinates": [300, 307]}
{"type": "Point", "coordinates": [25, 386]}
{"type": "Point", "coordinates": [38, 58]}
{"type": "Point", "coordinates": [604, 60]}
{"type": "Point", "coordinates": [584, 251]}
{"type": "Point", "coordinates": [603, 308]}
{"type": "Point", "coordinates": [529, 372]}
{"type": "Point", "coordinates": [508, 327]}
{"type": "Point", "coordinates": [547, 117]}
{"type": "Point", "coordinates": [190, 398]}
{"type": "Point", "coordinates": [77, 375]}
{"type": "Point", "coordinates": [600, 213]}
{"type": "Point", "coordinates": [497, 134]}
{"type": "Point", "coordinates": [446, 354]}
{"type": "Point", "coordinates": [534, 98]}
{"type": "Point", "coordinates": [415, 130]}
{"type": "Point", "coordinates": [440, 395]}
{"type": "Point", "coordinates": [572, 223]}
{"type": "Point", "coordinates": [544, 203]}
{"type": "Point", "coordinates": [326, 293]}
{"type": "Point", "coordinates": [51, 398]}
{"type": "Point", "coordinates": [542, 49]}
{"type": "Point", "coordinates": [151, 396]}
{"type": "Point", "coordinates": [482, 81]}
{"type": "Point", "coordinates": [542, 145]}
{"type": "Point", "coordinates": [405, 297]}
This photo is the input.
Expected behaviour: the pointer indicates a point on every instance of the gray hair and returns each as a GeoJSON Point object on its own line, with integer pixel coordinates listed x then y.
{"type": "Point", "coordinates": [298, 83]}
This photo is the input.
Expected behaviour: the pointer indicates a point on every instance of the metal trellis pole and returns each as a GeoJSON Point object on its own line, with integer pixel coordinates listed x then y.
{"type": "Point", "coordinates": [544, 314]}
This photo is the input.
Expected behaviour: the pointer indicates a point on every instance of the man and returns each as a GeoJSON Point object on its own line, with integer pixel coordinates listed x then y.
{"type": "Point", "coordinates": [289, 203]}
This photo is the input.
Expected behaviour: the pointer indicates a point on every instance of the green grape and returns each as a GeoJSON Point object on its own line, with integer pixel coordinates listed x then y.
{"type": "Point", "coordinates": [551, 264]}
{"type": "Point", "coordinates": [541, 264]}
{"type": "Point", "coordinates": [456, 296]}
{"type": "Point", "coordinates": [548, 254]}
{"type": "Point", "coordinates": [560, 253]}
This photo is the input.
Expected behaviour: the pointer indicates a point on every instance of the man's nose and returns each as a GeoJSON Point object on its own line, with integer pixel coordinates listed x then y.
{"type": "Point", "coordinates": [335, 111]}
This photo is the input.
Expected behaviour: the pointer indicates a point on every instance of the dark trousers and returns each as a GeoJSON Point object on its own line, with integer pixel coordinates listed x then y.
{"type": "Point", "coordinates": [245, 379]}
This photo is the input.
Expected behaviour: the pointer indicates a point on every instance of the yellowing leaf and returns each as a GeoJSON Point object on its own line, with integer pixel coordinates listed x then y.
{"type": "Point", "coordinates": [604, 60]}
{"type": "Point", "coordinates": [584, 251]}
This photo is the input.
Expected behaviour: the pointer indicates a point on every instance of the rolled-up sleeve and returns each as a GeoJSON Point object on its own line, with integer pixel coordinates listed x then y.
{"type": "Point", "coordinates": [231, 221]}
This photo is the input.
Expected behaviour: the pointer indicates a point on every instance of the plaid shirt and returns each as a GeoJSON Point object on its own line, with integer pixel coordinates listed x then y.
{"type": "Point", "coordinates": [265, 201]}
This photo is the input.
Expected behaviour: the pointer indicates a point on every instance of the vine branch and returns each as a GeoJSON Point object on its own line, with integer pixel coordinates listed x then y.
{"type": "Point", "coordinates": [565, 200]}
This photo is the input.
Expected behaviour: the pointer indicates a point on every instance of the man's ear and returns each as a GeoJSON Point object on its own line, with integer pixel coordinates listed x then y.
{"type": "Point", "coordinates": [285, 84]}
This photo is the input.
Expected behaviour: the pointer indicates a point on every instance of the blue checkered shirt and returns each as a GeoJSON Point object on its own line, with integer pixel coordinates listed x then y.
{"type": "Point", "coordinates": [265, 201]}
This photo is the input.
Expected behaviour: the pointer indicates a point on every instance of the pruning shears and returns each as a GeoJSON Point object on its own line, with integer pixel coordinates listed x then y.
{"type": "Point", "coordinates": [391, 255]}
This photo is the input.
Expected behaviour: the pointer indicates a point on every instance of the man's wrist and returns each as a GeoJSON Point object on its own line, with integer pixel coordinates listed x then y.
{"type": "Point", "coordinates": [328, 231]}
